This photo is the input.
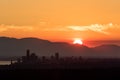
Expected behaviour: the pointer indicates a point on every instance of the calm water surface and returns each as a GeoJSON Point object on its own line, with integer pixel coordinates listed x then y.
{"type": "Point", "coordinates": [5, 62]}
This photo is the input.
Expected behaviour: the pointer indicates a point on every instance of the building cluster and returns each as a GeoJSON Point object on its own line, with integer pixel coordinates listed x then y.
{"type": "Point", "coordinates": [32, 61]}
{"type": "Point", "coordinates": [32, 58]}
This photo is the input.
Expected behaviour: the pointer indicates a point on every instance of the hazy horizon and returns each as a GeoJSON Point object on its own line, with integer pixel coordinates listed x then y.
{"type": "Point", "coordinates": [89, 43]}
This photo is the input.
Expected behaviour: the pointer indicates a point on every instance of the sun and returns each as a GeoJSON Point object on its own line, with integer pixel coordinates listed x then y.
{"type": "Point", "coordinates": [78, 41]}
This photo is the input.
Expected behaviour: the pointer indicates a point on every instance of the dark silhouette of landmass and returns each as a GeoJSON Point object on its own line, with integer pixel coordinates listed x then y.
{"type": "Point", "coordinates": [56, 67]}
{"type": "Point", "coordinates": [57, 60]}
{"type": "Point", "coordinates": [10, 47]}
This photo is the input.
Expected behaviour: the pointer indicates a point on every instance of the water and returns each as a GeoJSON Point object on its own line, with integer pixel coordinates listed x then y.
{"type": "Point", "coordinates": [5, 62]}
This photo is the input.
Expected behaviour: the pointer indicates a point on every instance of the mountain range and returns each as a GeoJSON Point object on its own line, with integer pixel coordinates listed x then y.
{"type": "Point", "coordinates": [17, 47]}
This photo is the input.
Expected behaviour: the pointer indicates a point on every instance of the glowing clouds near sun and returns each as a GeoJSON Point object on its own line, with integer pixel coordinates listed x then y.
{"type": "Point", "coordinates": [100, 28]}
{"type": "Point", "coordinates": [66, 32]}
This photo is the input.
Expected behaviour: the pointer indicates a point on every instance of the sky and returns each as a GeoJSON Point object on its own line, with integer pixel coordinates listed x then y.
{"type": "Point", "coordinates": [60, 20]}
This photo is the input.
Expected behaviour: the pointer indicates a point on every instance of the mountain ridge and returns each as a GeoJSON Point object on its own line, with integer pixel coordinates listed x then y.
{"type": "Point", "coordinates": [17, 47]}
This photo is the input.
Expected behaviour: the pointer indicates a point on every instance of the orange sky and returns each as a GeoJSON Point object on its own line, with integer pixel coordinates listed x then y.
{"type": "Point", "coordinates": [60, 20]}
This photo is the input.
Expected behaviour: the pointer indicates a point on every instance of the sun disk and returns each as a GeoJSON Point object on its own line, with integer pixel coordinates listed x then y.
{"type": "Point", "coordinates": [78, 41]}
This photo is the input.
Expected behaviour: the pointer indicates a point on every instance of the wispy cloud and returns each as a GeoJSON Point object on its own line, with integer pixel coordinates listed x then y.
{"type": "Point", "coordinates": [56, 29]}
{"type": "Point", "coordinates": [13, 27]}
{"type": "Point", "coordinates": [101, 28]}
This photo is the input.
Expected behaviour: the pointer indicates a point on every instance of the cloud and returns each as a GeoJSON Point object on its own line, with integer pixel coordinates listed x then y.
{"type": "Point", "coordinates": [13, 27]}
{"type": "Point", "coordinates": [101, 28]}
{"type": "Point", "coordinates": [55, 29]}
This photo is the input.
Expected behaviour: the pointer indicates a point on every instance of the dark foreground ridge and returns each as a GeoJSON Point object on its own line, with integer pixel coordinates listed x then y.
{"type": "Point", "coordinates": [60, 74]}
{"type": "Point", "coordinates": [59, 68]}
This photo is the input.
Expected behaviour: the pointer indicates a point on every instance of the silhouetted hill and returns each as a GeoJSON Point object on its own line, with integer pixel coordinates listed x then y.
{"type": "Point", "coordinates": [107, 50]}
{"type": "Point", "coordinates": [17, 47]}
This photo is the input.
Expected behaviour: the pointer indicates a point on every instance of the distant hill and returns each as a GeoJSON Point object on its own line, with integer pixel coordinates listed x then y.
{"type": "Point", "coordinates": [16, 47]}
{"type": "Point", "coordinates": [107, 50]}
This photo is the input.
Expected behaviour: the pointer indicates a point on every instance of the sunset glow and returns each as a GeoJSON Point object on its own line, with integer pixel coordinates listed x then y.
{"type": "Point", "coordinates": [48, 19]}
{"type": "Point", "coordinates": [78, 41]}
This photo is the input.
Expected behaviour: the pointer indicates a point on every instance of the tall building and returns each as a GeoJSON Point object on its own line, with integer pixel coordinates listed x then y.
{"type": "Point", "coordinates": [28, 53]}
{"type": "Point", "coordinates": [30, 57]}
{"type": "Point", "coordinates": [57, 56]}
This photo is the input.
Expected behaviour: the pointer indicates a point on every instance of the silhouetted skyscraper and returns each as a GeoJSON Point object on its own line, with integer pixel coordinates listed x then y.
{"type": "Point", "coordinates": [57, 56]}
{"type": "Point", "coordinates": [28, 53]}
{"type": "Point", "coordinates": [33, 57]}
